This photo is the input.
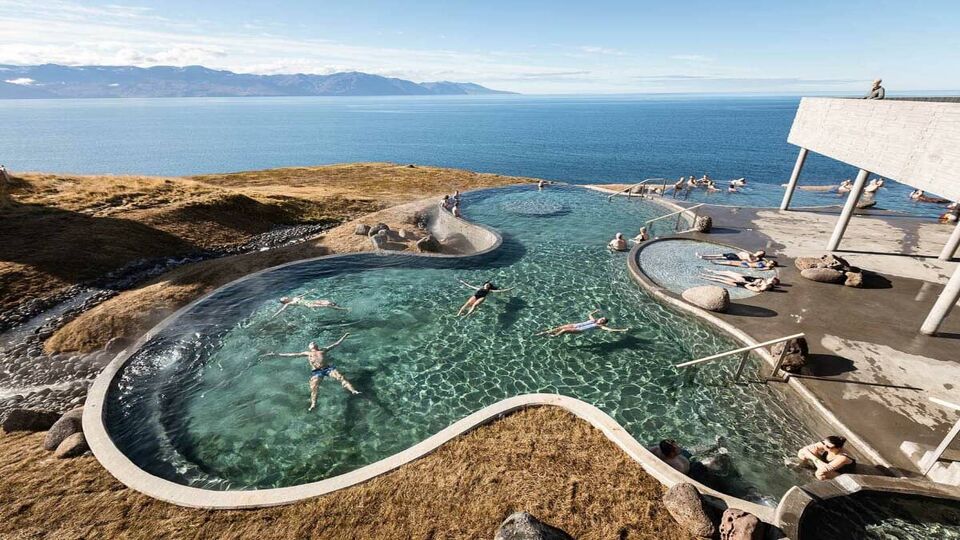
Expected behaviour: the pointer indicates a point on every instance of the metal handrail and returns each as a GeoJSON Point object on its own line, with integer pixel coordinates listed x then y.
{"type": "Point", "coordinates": [927, 466]}
{"type": "Point", "coordinates": [649, 221]}
{"type": "Point", "coordinates": [745, 352]}
{"type": "Point", "coordinates": [629, 189]}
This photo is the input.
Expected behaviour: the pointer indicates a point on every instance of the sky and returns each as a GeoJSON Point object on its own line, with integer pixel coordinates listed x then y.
{"type": "Point", "coordinates": [560, 47]}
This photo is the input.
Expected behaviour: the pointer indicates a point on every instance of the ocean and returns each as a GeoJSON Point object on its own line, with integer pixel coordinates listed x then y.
{"type": "Point", "coordinates": [578, 139]}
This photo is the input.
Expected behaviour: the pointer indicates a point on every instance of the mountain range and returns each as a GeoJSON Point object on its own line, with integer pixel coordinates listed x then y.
{"type": "Point", "coordinates": [57, 81]}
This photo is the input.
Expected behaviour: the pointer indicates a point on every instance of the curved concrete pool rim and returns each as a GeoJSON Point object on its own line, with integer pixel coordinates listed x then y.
{"type": "Point", "coordinates": [124, 470]}
{"type": "Point", "coordinates": [675, 301]}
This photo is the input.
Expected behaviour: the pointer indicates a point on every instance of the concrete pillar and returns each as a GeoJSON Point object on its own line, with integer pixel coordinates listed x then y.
{"type": "Point", "coordinates": [948, 298]}
{"type": "Point", "coordinates": [794, 176]}
{"type": "Point", "coordinates": [848, 209]}
{"type": "Point", "coordinates": [951, 246]}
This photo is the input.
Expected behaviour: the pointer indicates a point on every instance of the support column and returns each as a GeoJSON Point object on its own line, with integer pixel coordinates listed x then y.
{"type": "Point", "coordinates": [948, 298]}
{"type": "Point", "coordinates": [951, 246]}
{"type": "Point", "coordinates": [794, 176]}
{"type": "Point", "coordinates": [848, 209]}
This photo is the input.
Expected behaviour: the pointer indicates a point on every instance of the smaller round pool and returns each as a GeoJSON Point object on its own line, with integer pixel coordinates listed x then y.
{"type": "Point", "coordinates": [673, 264]}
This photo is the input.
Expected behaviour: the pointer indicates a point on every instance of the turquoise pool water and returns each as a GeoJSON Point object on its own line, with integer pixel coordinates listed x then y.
{"type": "Point", "coordinates": [201, 405]}
{"type": "Point", "coordinates": [877, 516]}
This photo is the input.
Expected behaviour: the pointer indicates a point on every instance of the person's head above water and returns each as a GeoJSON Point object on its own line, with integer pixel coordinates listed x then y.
{"type": "Point", "coordinates": [312, 346]}
{"type": "Point", "coordinates": [602, 321]}
{"type": "Point", "coordinates": [834, 442]}
{"type": "Point", "coordinates": [669, 448]}
{"type": "Point", "coordinates": [285, 299]}
{"type": "Point", "coordinates": [619, 236]}
{"type": "Point", "coordinates": [487, 285]}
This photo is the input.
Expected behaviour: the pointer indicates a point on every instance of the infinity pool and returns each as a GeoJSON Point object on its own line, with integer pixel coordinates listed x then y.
{"type": "Point", "coordinates": [201, 405]}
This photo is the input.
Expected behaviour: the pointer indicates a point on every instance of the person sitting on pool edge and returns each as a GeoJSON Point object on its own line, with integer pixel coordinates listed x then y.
{"type": "Point", "coordinates": [618, 243]}
{"type": "Point", "coordinates": [735, 279]}
{"type": "Point", "coordinates": [669, 452]}
{"type": "Point", "coordinates": [479, 295]}
{"type": "Point", "coordinates": [641, 236]}
{"type": "Point", "coordinates": [827, 456]}
{"type": "Point", "coordinates": [319, 368]}
{"type": "Point", "coordinates": [577, 328]}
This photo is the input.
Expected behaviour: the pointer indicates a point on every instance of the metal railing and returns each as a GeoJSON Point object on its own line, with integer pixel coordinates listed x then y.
{"type": "Point", "coordinates": [629, 192]}
{"type": "Point", "coordinates": [679, 214]}
{"type": "Point", "coordinates": [745, 354]}
{"type": "Point", "coordinates": [926, 464]}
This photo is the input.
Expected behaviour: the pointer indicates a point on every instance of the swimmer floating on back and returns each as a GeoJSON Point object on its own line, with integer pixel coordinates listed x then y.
{"type": "Point", "coordinates": [479, 296]}
{"type": "Point", "coordinates": [592, 323]}
{"type": "Point", "coordinates": [320, 369]}
{"type": "Point", "coordinates": [288, 301]}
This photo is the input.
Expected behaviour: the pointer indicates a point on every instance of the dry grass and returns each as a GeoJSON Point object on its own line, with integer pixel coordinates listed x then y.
{"type": "Point", "coordinates": [63, 229]}
{"type": "Point", "coordinates": [543, 460]}
{"type": "Point", "coordinates": [132, 313]}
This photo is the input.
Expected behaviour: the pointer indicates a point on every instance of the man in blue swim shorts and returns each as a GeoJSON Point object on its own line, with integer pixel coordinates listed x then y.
{"type": "Point", "coordinates": [320, 368]}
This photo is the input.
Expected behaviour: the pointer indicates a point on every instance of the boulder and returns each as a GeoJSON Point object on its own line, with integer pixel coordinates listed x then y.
{"type": "Point", "coordinates": [708, 297]}
{"type": "Point", "coordinates": [823, 275]}
{"type": "Point", "coordinates": [73, 446]}
{"type": "Point", "coordinates": [795, 357]}
{"type": "Point", "coordinates": [687, 508]}
{"type": "Point", "coordinates": [854, 279]}
{"type": "Point", "coordinates": [703, 224]}
{"type": "Point", "coordinates": [802, 263]}
{"type": "Point", "coordinates": [68, 424]}
{"type": "Point", "coordinates": [523, 526]}
{"type": "Point", "coordinates": [740, 525]}
{"type": "Point", "coordinates": [428, 244]}
{"type": "Point", "coordinates": [362, 229]}
{"type": "Point", "coordinates": [380, 239]}
{"type": "Point", "coordinates": [29, 420]}
{"type": "Point", "coordinates": [377, 228]}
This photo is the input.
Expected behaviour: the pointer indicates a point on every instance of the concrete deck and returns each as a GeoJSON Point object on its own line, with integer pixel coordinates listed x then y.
{"type": "Point", "coordinates": [870, 365]}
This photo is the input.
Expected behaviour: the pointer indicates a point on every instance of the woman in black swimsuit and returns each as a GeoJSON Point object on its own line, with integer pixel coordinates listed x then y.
{"type": "Point", "coordinates": [828, 457]}
{"type": "Point", "coordinates": [479, 295]}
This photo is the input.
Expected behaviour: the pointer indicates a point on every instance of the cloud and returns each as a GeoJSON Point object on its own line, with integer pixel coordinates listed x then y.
{"type": "Point", "coordinates": [691, 58]}
{"type": "Point", "coordinates": [22, 81]}
{"type": "Point", "coordinates": [744, 80]}
{"type": "Point", "coordinates": [591, 49]}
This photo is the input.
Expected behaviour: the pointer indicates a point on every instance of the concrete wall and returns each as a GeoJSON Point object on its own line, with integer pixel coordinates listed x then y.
{"type": "Point", "coordinates": [459, 236]}
{"type": "Point", "coordinates": [913, 142]}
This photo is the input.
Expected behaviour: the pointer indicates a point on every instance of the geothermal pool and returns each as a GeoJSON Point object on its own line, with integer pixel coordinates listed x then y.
{"type": "Point", "coordinates": [200, 405]}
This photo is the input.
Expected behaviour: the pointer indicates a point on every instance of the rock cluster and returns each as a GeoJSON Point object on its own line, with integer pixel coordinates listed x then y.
{"type": "Point", "coordinates": [829, 269]}
{"type": "Point", "coordinates": [523, 526]}
{"type": "Point", "coordinates": [708, 297]}
{"type": "Point", "coordinates": [691, 512]}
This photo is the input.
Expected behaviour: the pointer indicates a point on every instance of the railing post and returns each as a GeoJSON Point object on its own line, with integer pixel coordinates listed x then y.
{"type": "Point", "coordinates": [776, 367]}
{"type": "Point", "coordinates": [935, 457]}
{"type": "Point", "coordinates": [743, 364]}
{"type": "Point", "coordinates": [794, 177]}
